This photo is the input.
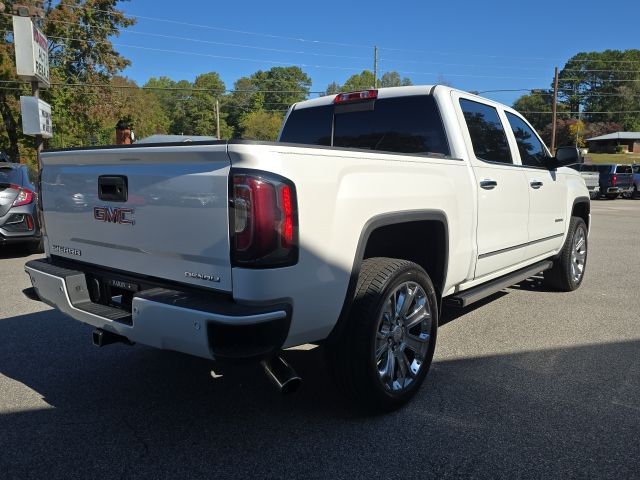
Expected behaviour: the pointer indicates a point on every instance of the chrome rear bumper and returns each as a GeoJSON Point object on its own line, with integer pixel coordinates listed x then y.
{"type": "Point", "coordinates": [168, 319]}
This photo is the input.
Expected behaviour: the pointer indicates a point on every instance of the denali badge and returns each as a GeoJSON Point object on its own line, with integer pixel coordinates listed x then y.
{"type": "Point", "coordinates": [114, 215]}
{"type": "Point", "coordinates": [200, 276]}
{"type": "Point", "coordinates": [65, 250]}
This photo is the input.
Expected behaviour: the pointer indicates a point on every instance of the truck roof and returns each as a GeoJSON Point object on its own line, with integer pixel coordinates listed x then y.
{"type": "Point", "coordinates": [386, 92]}
{"type": "Point", "coordinates": [389, 92]}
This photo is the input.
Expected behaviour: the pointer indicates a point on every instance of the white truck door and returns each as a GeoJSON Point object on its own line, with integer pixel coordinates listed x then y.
{"type": "Point", "coordinates": [502, 190]}
{"type": "Point", "coordinates": [547, 190]}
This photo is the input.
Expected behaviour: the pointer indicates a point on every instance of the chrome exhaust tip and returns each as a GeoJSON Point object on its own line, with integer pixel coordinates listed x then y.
{"type": "Point", "coordinates": [282, 375]}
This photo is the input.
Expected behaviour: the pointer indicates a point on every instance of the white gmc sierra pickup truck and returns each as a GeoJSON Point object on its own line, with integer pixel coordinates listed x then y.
{"type": "Point", "coordinates": [372, 211]}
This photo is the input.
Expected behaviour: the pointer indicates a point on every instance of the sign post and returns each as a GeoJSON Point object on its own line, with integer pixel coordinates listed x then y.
{"type": "Point", "coordinates": [32, 63]}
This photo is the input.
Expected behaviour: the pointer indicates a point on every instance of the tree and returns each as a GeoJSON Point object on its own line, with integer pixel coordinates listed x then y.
{"type": "Point", "coordinates": [365, 80]}
{"type": "Point", "coordinates": [536, 107]}
{"type": "Point", "coordinates": [359, 81]}
{"type": "Point", "coordinates": [200, 107]}
{"type": "Point", "coordinates": [607, 82]}
{"type": "Point", "coordinates": [392, 79]}
{"type": "Point", "coordinates": [273, 90]}
{"type": "Point", "coordinates": [261, 125]}
{"type": "Point", "coordinates": [172, 96]}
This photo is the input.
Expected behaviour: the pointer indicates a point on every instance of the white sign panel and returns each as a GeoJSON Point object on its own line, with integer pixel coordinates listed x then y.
{"type": "Point", "coordinates": [32, 54]}
{"type": "Point", "coordinates": [36, 117]}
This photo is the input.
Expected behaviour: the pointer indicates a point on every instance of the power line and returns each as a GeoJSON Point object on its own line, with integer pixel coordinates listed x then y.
{"type": "Point", "coordinates": [223, 44]}
{"type": "Point", "coordinates": [229, 30]}
{"type": "Point", "coordinates": [208, 55]}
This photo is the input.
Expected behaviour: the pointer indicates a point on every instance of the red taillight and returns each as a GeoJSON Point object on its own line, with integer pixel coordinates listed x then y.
{"type": "Point", "coordinates": [356, 96]}
{"type": "Point", "coordinates": [614, 179]}
{"type": "Point", "coordinates": [263, 219]}
{"type": "Point", "coordinates": [287, 222]}
{"type": "Point", "coordinates": [25, 196]}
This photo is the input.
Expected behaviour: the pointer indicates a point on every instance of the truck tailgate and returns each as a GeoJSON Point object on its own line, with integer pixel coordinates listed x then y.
{"type": "Point", "coordinates": [171, 223]}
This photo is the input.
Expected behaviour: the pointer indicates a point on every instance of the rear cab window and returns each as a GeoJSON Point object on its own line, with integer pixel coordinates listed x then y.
{"type": "Point", "coordinates": [487, 133]}
{"type": "Point", "coordinates": [624, 169]}
{"type": "Point", "coordinates": [409, 124]}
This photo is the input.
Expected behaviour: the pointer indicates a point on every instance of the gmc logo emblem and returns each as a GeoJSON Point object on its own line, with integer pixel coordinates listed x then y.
{"type": "Point", "coordinates": [121, 216]}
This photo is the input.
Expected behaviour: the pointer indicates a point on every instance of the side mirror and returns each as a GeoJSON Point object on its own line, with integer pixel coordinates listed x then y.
{"type": "Point", "coordinates": [566, 156]}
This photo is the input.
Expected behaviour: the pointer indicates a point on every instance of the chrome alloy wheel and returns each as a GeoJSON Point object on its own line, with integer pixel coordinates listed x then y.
{"type": "Point", "coordinates": [403, 335]}
{"type": "Point", "coordinates": [578, 254]}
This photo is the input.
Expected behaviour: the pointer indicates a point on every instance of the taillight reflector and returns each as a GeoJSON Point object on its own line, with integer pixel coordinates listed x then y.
{"type": "Point", "coordinates": [263, 220]}
{"type": "Point", "coordinates": [287, 222]}
{"type": "Point", "coordinates": [356, 96]}
{"type": "Point", "coordinates": [614, 179]}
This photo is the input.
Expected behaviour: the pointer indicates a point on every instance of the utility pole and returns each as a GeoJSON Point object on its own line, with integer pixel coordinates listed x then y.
{"type": "Point", "coordinates": [38, 141]}
{"type": "Point", "coordinates": [554, 109]}
{"type": "Point", "coordinates": [217, 119]}
{"type": "Point", "coordinates": [375, 67]}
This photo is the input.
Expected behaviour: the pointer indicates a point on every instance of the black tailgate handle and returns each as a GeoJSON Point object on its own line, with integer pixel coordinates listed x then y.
{"type": "Point", "coordinates": [113, 188]}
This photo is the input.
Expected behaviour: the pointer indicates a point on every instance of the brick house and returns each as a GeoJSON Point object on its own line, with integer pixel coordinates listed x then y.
{"type": "Point", "coordinates": [608, 143]}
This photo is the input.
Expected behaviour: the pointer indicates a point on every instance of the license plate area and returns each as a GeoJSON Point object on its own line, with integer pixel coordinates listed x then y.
{"type": "Point", "coordinates": [111, 291]}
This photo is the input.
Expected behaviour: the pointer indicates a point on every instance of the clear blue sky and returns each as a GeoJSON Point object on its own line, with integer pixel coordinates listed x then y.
{"type": "Point", "coordinates": [473, 45]}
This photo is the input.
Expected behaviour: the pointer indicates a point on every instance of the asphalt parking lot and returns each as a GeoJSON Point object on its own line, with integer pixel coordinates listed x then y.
{"type": "Point", "coordinates": [529, 384]}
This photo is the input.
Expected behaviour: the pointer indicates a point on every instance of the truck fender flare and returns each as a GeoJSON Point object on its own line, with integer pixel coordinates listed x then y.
{"type": "Point", "coordinates": [371, 225]}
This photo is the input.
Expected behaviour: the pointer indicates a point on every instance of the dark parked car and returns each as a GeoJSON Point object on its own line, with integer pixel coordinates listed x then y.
{"type": "Point", "coordinates": [18, 215]}
{"type": "Point", "coordinates": [615, 180]}
{"type": "Point", "coordinates": [636, 181]}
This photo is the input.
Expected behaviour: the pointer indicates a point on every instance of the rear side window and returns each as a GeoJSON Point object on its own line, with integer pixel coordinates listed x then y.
{"type": "Point", "coordinates": [532, 153]}
{"type": "Point", "coordinates": [10, 175]}
{"type": "Point", "coordinates": [487, 133]}
{"type": "Point", "coordinates": [402, 125]}
{"type": "Point", "coordinates": [624, 169]}
{"type": "Point", "coordinates": [636, 169]}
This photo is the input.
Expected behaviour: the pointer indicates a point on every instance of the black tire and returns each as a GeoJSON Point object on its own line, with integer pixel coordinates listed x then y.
{"type": "Point", "coordinates": [562, 276]}
{"type": "Point", "coordinates": [635, 194]}
{"type": "Point", "coordinates": [352, 357]}
{"type": "Point", "coordinates": [612, 196]}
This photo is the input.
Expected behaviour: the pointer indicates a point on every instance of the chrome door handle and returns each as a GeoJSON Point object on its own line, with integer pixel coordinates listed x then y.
{"type": "Point", "coordinates": [536, 184]}
{"type": "Point", "coordinates": [488, 184]}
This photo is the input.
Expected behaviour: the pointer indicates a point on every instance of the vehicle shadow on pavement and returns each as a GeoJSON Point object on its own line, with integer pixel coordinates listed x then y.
{"type": "Point", "coordinates": [16, 251]}
{"type": "Point", "coordinates": [138, 412]}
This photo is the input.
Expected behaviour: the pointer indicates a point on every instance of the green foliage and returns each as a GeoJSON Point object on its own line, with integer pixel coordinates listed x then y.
{"type": "Point", "coordinates": [261, 125]}
{"type": "Point", "coordinates": [535, 102]}
{"type": "Point", "coordinates": [365, 80]}
{"type": "Point", "coordinates": [590, 82]}
{"type": "Point", "coordinates": [621, 149]}
{"type": "Point", "coordinates": [607, 81]}
{"type": "Point", "coordinates": [274, 90]}
{"type": "Point", "coordinates": [200, 106]}
{"type": "Point", "coordinates": [360, 81]}
{"type": "Point", "coordinates": [392, 79]}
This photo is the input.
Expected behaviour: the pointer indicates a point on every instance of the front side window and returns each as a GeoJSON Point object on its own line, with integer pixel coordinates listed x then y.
{"type": "Point", "coordinates": [532, 153]}
{"type": "Point", "coordinates": [488, 137]}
